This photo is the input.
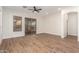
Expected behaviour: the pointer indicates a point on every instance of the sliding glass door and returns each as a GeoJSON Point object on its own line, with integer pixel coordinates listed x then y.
{"type": "Point", "coordinates": [30, 26]}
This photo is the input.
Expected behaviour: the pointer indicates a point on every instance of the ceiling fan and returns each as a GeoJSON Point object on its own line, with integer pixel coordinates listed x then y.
{"type": "Point", "coordinates": [35, 9]}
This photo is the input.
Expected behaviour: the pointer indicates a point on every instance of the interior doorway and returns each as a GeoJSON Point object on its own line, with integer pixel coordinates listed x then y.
{"type": "Point", "coordinates": [30, 26]}
{"type": "Point", "coordinates": [72, 22]}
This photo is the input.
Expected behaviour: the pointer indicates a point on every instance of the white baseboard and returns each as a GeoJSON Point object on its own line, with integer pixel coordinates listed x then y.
{"type": "Point", "coordinates": [13, 36]}
{"type": "Point", "coordinates": [7, 37]}
{"type": "Point", "coordinates": [54, 34]}
{"type": "Point", "coordinates": [73, 34]}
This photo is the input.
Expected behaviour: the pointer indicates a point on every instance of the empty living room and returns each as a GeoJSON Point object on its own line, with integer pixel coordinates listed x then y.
{"type": "Point", "coordinates": [39, 29]}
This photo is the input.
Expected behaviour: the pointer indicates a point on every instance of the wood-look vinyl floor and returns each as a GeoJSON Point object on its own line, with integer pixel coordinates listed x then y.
{"type": "Point", "coordinates": [41, 43]}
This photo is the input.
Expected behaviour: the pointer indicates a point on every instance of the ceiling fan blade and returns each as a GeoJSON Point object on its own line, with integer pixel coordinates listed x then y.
{"type": "Point", "coordinates": [34, 7]}
{"type": "Point", "coordinates": [39, 9]}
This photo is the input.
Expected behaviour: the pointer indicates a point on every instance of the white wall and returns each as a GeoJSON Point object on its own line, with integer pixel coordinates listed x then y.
{"type": "Point", "coordinates": [40, 25]}
{"type": "Point", "coordinates": [45, 24]}
{"type": "Point", "coordinates": [0, 24]}
{"type": "Point", "coordinates": [78, 24]}
{"type": "Point", "coordinates": [8, 23]}
{"type": "Point", "coordinates": [72, 24]}
{"type": "Point", "coordinates": [52, 24]}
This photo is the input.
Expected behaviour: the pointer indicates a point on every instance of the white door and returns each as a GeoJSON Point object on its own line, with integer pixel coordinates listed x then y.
{"type": "Point", "coordinates": [72, 24]}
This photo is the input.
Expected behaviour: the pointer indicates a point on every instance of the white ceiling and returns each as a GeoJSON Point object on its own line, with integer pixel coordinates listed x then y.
{"type": "Point", "coordinates": [45, 9]}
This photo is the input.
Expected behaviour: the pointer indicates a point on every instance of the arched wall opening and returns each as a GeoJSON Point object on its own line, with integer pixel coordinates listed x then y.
{"type": "Point", "coordinates": [64, 17]}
